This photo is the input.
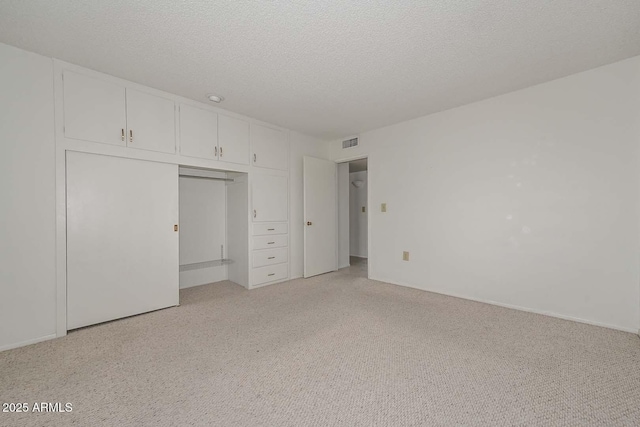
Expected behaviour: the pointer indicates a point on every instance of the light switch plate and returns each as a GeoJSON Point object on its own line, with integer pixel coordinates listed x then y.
{"type": "Point", "coordinates": [363, 209]}
{"type": "Point", "coordinates": [405, 256]}
{"type": "Point", "coordinates": [383, 207]}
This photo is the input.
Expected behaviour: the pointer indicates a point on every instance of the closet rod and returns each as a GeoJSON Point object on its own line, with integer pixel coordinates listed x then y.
{"type": "Point", "coordinates": [206, 177]}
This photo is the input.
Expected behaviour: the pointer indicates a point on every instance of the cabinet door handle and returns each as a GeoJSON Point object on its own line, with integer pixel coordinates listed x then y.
{"type": "Point", "coordinates": [216, 152]}
{"type": "Point", "coordinates": [272, 274]}
{"type": "Point", "coordinates": [255, 157]}
{"type": "Point", "coordinates": [271, 257]}
{"type": "Point", "coordinates": [122, 135]}
{"type": "Point", "coordinates": [130, 135]}
{"type": "Point", "coordinates": [220, 151]}
{"type": "Point", "coordinates": [255, 214]}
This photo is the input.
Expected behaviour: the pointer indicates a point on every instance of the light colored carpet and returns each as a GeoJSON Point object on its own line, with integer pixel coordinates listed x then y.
{"type": "Point", "coordinates": [337, 349]}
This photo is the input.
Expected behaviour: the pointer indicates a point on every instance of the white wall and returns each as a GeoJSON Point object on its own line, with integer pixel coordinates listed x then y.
{"type": "Point", "coordinates": [27, 191]}
{"type": "Point", "coordinates": [301, 145]}
{"type": "Point", "coordinates": [343, 215]}
{"type": "Point", "coordinates": [357, 219]}
{"type": "Point", "coordinates": [529, 199]}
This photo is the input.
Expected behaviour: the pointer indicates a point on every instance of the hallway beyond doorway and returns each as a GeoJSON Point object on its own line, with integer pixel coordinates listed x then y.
{"type": "Point", "coordinates": [358, 267]}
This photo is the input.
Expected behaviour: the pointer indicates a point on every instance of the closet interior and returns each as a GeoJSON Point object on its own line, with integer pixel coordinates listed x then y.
{"type": "Point", "coordinates": [213, 208]}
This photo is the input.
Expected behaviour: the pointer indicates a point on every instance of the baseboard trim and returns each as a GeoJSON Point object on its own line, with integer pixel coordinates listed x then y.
{"type": "Point", "coordinates": [262, 285]}
{"type": "Point", "coordinates": [514, 307]}
{"type": "Point", "coordinates": [28, 342]}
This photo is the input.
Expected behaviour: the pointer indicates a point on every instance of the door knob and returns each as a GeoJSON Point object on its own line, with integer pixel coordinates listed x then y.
{"type": "Point", "coordinates": [309, 223]}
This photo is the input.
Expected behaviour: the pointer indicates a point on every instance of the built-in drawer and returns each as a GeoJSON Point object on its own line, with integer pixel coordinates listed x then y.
{"type": "Point", "coordinates": [270, 273]}
{"type": "Point", "coordinates": [270, 242]}
{"type": "Point", "coordinates": [270, 257]}
{"type": "Point", "coordinates": [269, 228]}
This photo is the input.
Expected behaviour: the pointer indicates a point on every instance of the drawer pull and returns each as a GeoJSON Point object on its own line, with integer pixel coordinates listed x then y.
{"type": "Point", "coordinates": [270, 243]}
{"type": "Point", "coordinates": [271, 257]}
{"type": "Point", "coordinates": [271, 229]}
{"type": "Point", "coordinates": [271, 274]}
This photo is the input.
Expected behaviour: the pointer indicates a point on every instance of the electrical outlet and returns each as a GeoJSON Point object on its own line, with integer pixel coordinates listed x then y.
{"type": "Point", "coordinates": [405, 256]}
{"type": "Point", "coordinates": [383, 207]}
{"type": "Point", "coordinates": [363, 209]}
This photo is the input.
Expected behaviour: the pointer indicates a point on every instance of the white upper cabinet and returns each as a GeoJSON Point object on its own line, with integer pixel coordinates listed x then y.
{"type": "Point", "coordinates": [198, 132]}
{"type": "Point", "coordinates": [100, 108]}
{"type": "Point", "coordinates": [270, 147]}
{"type": "Point", "coordinates": [233, 140]}
{"type": "Point", "coordinates": [151, 122]}
{"type": "Point", "coordinates": [270, 198]}
{"type": "Point", "coordinates": [94, 110]}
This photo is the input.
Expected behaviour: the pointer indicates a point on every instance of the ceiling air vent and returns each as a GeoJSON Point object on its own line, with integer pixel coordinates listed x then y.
{"type": "Point", "coordinates": [353, 142]}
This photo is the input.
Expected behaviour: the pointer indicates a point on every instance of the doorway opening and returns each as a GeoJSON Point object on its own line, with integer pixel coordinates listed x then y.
{"type": "Point", "coordinates": [353, 217]}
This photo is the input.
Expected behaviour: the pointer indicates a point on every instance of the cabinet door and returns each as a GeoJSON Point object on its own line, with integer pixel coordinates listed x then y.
{"type": "Point", "coordinates": [270, 198]}
{"type": "Point", "coordinates": [198, 132]}
{"type": "Point", "coordinates": [122, 250]}
{"type": "Point", "coordinates": [233, 139]}
{"type": "Point", "coordinates": [94, 110]}
{"type": "Point", "coordinates": [270, 147]}
{"type": "Point", "coordinates": [151, 122]}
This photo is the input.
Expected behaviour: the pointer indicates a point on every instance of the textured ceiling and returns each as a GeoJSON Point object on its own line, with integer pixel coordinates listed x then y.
{"type": "Point", "coordinates": [330, 68]}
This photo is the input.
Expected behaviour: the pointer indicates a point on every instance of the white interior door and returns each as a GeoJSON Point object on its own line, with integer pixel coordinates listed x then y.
{"type": "Point", "coordinates": [122, 250]}
{"type": "Point", "coordinates": [320, 213]}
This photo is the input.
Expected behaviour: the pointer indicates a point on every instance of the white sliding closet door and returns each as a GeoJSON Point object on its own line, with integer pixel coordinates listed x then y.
{"type": "Point", "coordinates": [122, 250]}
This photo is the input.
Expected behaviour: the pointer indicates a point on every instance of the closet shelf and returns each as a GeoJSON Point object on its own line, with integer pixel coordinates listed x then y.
{"type": "Point", "coordinates": [205, 264]}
